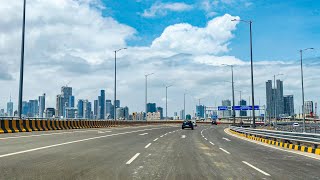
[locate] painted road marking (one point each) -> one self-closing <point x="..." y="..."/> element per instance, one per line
<point x="165" y="134"/>
<point x="211" y="142"/>
<point x="71" y="142"/>
<point x="147" y="145"/>
<point x="161" y="136"/>
<point x="256" y="168"/>
<point x="224" y="150"/>
<point x="143" y="134"/>
<point x="206" y="139"/>
<point x="155" y="139"/>
<point x="183" y="136"/>
<point x="226" y="139"/>
<point x="133" y="158"/>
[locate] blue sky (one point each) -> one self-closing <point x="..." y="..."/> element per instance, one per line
<point x="280" y="28"/>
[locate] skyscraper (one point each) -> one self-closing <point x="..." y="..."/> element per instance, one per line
<point x="275" y="100"/>
<point x="151" y="107"/>
<point x="95" y="108"/>
<point x="71" y="102"/>
<point x="87" y="109"/>
<point x="200" y="111"/>
<point x="80" y="108"/>
<point x="279" y="98"/>
<point x="160" y="110"/>
<point x="126" y="113"/>
<point x="269" y="99"/>
<point x="10" y="108"/>
<point x="25" y="108"/>
<point x="117" y="103"/>
<point x="182" y="116"/>
<point x="109" y="109"/>
<point x="308" y="108"/>
<point x="288" y="105"/>
<point x="243" y="103"/>
<point x="102" y="100"/>
<point x="66" y="92"/>
<point x="33" y="108"/>
<point x="59" y="106"/>
<point x="42" y="105"/>
<point x="50" y="112"/>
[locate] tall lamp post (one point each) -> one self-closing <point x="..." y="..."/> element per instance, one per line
<point x="22" y="60"/>
<point x="251" y="61"/>
<point x="115" y="82"/>
<point x="184" y="106"/>
<point x="167" y="86"/>
<point x="233" y="110"/>
<point x="275" y="95"/>
<point x="302" y="88"/>
<point x="146" y="95"/>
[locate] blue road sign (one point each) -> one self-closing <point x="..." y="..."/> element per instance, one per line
<point x="222" y="108"/>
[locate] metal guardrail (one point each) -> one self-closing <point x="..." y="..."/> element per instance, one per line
<point x="288" y="136"/>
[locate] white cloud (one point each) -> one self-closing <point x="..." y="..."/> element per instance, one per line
<point x="185" y="38"/>
<point x="161" y="9"/>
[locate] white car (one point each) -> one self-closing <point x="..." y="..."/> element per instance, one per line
<point x="295" y="124"/>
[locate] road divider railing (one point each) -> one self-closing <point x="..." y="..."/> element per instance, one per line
<point x="305" y="142"/>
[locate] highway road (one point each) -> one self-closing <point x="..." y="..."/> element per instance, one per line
<point x="146" y="152"/>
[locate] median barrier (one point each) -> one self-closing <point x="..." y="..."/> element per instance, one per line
<point x="1" y="128"/>
<point x="32" y="125"/>
<point x="26" y="125"/>
<point x="13" y="126"/>
<point x="39" y="125"/>
<point x="43" y="125"/>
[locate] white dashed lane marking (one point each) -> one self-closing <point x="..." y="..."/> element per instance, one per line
<point x="252" y="166"/>
<point x="147" y="145"/>
<point x="133" y="158"/>
<point x="224" y="150"/>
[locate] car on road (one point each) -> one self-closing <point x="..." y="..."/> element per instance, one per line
<point x="214" y="122"/>
<point x="295" y="125"/>
<point x="187" y="124"/>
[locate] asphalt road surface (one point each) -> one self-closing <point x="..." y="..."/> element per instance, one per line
<point x="147" y="152"/>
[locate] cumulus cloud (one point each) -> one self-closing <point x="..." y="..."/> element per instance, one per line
<point x="185" y="38"/>
<point x="161" y="9"/>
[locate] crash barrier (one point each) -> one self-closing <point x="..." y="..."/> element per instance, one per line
<point x="28" y="125"/>
<point x="305" y="142"/>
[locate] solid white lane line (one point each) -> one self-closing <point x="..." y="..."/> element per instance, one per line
<point x="133" y="158"/>
<point x="143" y="134"/>
<point x="71" y="142"/>
<point x="147" y="145"/>
<point x="183" y="136"/>
<point x="226" y="139"/>
<point x="211" y="142"/>
<point x="252" y="166"/>
<point x="224" y="150"/>
<point x="155" y="139"/>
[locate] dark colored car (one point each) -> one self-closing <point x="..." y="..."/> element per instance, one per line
<point x="214" y="122"/>
<point x="187" y="124"/>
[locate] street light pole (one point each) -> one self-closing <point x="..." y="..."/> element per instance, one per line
<point x="146" y="94"/>
<point x="233" y="110"/>
<point x="184" y="105"/>
<point x="167" y="101"/>
<point x="22" y="60"/>
<point x="251" y="62"/>
<point x="115" y="82"/>
<point x="302" y="88"/>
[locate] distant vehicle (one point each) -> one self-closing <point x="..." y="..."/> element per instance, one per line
<point x="295" y="125"/>
<point x="214" y="122"/>
<point x="187" y="124"/>
<point x="194" y="122"/>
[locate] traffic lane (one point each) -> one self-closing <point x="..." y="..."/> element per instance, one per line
<point x="186" y="155"/>
<point x="280" y="164"/>
<point x="21" y="144"/>
<point x="102" y="158"/>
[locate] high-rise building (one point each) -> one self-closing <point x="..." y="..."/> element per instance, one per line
<point x="200" y="111"/>
<point x="66" y="92"/>
<point x="71" y="102"/>
<point x="2" y="112"/>
<point x="42" y="105"/>
<point x="102" y="100"/>
<point x="59" y="106"/>
<point x="126" y="113"/>
<point x="10" y="108"/>
<point x="80" y="108"/>
<point x="226" y="113"/>
<point x="33" y="108"/>
<point x="120" y="113"/>
<point x="71" y="112"/>
<point x="50" y="112"/>
<point x="151" y="107"/>
<point x="308" y="108"/>
<point x="117" y="103"/>
<point x="95" y="109"/>
<point x="243" y="103"/>
<point x="109" y="110"/>
<point x="288" y="105"/>
<point x="182" y="114"/>
<point x="160" y="110"/>
<point x="25" y="108"/>
<point x="87" y="109"/>
<point x="275" y="100"/>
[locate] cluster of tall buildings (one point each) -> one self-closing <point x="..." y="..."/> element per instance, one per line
<point x="154" y="112"/>
<point x="278" y="105"/>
